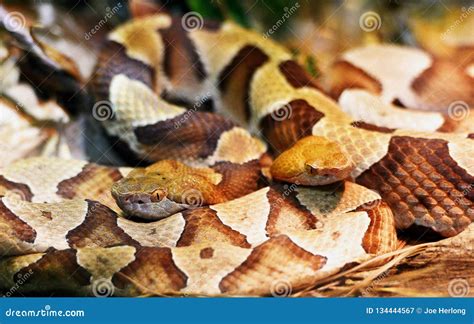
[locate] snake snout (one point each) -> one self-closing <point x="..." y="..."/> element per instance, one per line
<point x="144" y="197"/>
<point x="148" y="203"/>
<point x="138" y="198"/>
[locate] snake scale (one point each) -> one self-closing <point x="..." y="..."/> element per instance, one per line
<point x="215" y="216"/>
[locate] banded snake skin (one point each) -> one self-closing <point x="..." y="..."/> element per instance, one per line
<point x="215" y="216"/>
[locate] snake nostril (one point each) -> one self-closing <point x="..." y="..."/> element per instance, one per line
<point x="134" y="199"/>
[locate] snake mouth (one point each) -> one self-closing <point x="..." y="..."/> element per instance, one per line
<point x="326" y="175"/>
<point x="311" y="179"/>
<point x="311" y="176"/>
<point x="140" y="198"/>
<point x="147" y="206"/>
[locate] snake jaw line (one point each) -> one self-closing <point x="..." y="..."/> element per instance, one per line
<point x="151" y="210"/>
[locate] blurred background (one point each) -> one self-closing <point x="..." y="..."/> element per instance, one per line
<point x="316" y="30"/>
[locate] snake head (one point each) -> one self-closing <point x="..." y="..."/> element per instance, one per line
<point x="312" y="161"/>
<point x="145" y="193"/>
<point x="163" y="189"/>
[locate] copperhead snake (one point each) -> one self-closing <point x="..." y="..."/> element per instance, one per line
<point x="221" y="218"/>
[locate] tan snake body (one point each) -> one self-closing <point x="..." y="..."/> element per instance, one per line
<point x="246" y="243"/>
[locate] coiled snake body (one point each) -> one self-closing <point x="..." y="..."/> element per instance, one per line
<point x="215" y="225"/>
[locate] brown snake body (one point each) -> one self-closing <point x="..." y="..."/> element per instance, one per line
<point x="215" y="225"/>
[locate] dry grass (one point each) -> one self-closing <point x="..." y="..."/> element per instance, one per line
<point x="425" y="270"/>
<point x="356" y="280"/>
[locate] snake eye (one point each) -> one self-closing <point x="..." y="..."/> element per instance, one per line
<point x="158" y="195"/>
